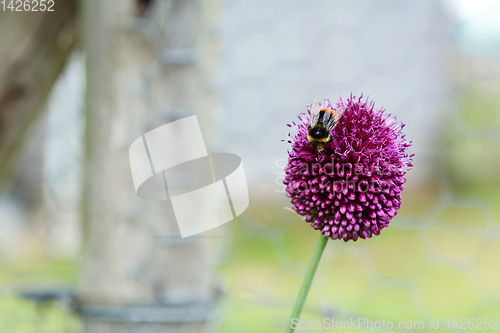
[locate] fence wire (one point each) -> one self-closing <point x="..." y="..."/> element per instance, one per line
<point x="440" y="256"/>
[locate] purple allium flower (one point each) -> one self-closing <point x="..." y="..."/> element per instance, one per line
<point x="353" y="187"/>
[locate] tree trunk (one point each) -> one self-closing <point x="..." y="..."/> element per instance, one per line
<point x="34" y="49"/>
<point x="136" y="270"/>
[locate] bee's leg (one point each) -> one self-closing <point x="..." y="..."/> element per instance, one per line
<point x="329" y="139"/>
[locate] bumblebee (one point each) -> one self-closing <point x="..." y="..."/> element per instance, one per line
<point x="322" y="122"/>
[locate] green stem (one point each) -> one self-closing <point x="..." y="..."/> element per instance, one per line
<point x="306" y="284"/>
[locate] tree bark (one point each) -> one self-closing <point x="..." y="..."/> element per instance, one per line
<point x="34" y="49"/>
<point x="131" y="275"/>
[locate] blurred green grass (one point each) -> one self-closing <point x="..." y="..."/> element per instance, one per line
<point x="32" y="273"/>
<point x="399" y="275"/>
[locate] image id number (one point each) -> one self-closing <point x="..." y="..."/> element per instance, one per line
<point x="27" y="5"/>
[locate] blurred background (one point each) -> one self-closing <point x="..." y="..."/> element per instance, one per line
<point x="80" y="252"/>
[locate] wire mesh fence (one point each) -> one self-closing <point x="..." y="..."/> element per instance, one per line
<point x="440" y="256"/>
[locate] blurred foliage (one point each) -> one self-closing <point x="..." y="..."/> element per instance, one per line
<point x="480" y="107"/>
<point x="473" y="152"/>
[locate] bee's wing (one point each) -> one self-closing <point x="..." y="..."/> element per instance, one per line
<point x="315" y="108"/>
<point x="336" y="115"/>
<point x="339" y="112"/>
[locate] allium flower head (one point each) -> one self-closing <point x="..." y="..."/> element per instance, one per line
<point x="353" y="187"/>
